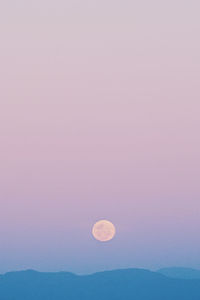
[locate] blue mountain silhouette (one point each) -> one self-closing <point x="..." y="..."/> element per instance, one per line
<point x="177" y="272"/>
<point x="129" y="284"/>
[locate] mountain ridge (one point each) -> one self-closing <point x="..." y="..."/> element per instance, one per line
<point x="129" y="284"/>
<point x="180" y="272"/>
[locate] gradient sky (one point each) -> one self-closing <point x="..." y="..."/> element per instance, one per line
<point x="99" y="118"/>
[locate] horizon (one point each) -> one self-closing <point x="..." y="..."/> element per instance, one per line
<point x="143" y="284"/>
<point x="103" y="271"/>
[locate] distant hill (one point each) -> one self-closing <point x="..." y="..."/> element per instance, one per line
<point x="184" y="273"/>
<point x="130" y="284"/>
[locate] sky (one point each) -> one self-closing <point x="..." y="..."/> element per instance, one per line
<point x="99" y="119"/>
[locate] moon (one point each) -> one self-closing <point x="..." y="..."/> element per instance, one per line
<point x="103" y="231"/>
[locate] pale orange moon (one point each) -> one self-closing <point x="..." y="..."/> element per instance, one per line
<point x="103" y="231"/>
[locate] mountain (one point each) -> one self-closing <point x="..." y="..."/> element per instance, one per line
<point x="130" y="284"/>
<point x="184" y="273"/>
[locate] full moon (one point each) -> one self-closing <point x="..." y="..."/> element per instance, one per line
<point x="103" y="231"/>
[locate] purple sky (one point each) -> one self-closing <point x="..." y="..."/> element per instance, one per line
<point x="99" y="118"/>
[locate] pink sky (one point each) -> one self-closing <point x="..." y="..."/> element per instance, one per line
<point x="99" y="118"/>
